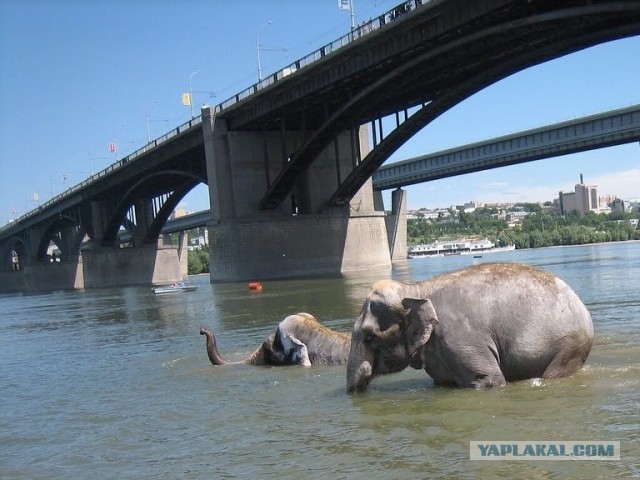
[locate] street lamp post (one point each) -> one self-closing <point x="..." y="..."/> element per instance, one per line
<point x="146" y="116"/>
<point x="148" y="119"/>
<point x="190" y="91"/>
<point x="353" y="17"/>
<point x="258" y="49"/>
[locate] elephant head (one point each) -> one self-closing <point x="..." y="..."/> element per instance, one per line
<point x="388" y="335"/>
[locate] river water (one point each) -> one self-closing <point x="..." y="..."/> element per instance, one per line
<point x="116" y="384"/>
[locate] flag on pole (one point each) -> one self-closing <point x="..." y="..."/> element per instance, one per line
<point x="113" y="147"/>
<point x="186" y="99"/>
<point x="344" y="4"/>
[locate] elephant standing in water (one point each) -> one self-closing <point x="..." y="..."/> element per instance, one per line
<point x="299" y="339"/>
<point x="478" y="327"/>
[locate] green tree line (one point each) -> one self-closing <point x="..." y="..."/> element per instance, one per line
<point x="538" y="229"/>
<point x="198" y="261"/>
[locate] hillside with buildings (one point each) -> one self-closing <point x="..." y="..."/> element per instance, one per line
<point x="577" y="217"/>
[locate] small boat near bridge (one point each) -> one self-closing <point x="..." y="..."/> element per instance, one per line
<point x="175" y="288"/>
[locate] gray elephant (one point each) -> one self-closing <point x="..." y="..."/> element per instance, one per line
<point x="478" y="327"/>
<point x="299" y="339"/>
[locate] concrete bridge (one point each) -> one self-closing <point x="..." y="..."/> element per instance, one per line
<point x="601" y="130"/>
<point x="289" y="161"/>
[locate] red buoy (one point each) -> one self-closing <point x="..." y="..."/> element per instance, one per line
<point x="255" y="286"/>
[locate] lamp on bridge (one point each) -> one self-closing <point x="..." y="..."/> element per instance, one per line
<point x="258" y="49"/>
<point x="149" y="120"/>
<point x="189" y="100"/>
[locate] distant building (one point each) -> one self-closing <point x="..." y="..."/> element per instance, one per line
<point x="472" y="206"/>
<point x="607" y="199"/>
<point x="178" y="212"/>
<point x="428" y="214"/>
<point x="198" y="243"/>
<point x="618" y="206"/>
<point x="515" y="218"/>
<point x="583" y="199"/>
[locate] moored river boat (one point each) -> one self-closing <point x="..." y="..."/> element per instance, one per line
<point x="456" y="247"/>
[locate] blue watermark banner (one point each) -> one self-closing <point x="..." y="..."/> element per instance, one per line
<point x="544" y="450"/>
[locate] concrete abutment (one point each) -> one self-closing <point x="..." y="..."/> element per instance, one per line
<point x="98" y="268"/>
<point x="297" y="246"/>
<point x="117" y="267"/>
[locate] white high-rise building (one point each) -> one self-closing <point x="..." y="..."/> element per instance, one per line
<point x="583" y="199"/>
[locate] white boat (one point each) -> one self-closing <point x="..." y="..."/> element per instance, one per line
<point x="175" y="288"/>
<point x="457" y="247"/>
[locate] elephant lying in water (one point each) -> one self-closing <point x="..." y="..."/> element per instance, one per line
<point x="478" y="327"/>
<point x="299" y="339"/>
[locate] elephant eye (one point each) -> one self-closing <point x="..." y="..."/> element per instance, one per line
<point x="369" y="337"/>
<point x="375" y="308"/>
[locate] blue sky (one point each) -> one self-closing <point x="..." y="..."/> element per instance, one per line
<point x="77" y="75"/>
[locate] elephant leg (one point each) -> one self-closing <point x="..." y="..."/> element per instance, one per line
<point x="571" y="357"/>
<point x="475" y="367"/>
<point x="486" y="381"/>
<point x="486" y="369"/>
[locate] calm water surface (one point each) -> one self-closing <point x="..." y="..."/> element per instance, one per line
<point x="116" y="384"/>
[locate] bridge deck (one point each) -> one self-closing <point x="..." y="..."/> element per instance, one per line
<point x="597" y="131"/>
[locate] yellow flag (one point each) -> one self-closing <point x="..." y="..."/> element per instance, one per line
<point x="186" y="99"/>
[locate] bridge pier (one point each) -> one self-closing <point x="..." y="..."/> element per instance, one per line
<point x="98" y="268"/>
<point x="117" y="267"/>
<point x="304" y="245"/>
<point x="183" y="254"/>
<point x="397" y="225"/>
<point x="304" y="236"/>
<point x="67" y="274"/>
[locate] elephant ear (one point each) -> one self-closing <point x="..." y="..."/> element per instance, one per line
<point x="420" y="318"/>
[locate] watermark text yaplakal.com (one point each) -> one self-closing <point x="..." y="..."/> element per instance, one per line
<point x="544" y="450"/>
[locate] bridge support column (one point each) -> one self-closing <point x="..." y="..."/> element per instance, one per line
<point x="297" y="246"/>
<point x="117" y="267"/>
<point x="304" y="236"/>
<point x="97" y="222"/>
<point x="67" y="274"/>
<point x="397" y="225"/>
<point x="144" y="217"/>
<point x="183" y="254"/>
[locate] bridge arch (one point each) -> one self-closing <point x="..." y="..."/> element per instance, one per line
<point x="521" y="43"/>
<point x="14" y="255"/>
<point x="160" y="185"/>
<point x="66" y="233"/>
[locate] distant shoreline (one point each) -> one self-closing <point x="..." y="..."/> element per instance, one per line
<point x="582" y="244"/>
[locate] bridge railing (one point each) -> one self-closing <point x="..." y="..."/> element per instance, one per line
<point x="114" y="166"/>
<point x="357" y="33"/>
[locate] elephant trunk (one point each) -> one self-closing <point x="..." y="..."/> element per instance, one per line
<point x="212" y="347"/>
<point x="359" y="368"/>
<point x="358" y="377"/>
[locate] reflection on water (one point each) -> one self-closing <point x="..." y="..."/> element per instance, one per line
<point x="117" y="383"/>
